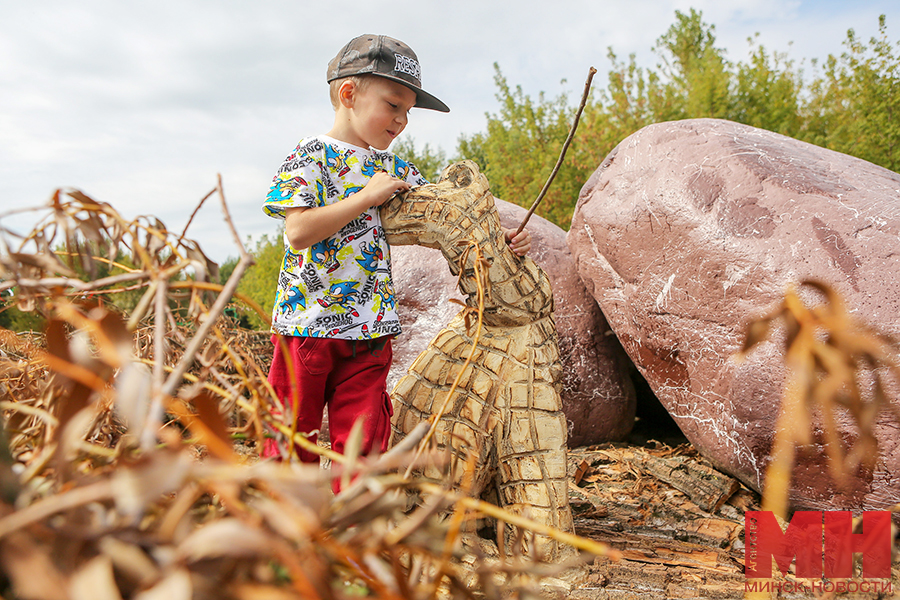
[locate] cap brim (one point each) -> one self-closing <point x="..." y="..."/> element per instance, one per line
<point x="423" y="98"/>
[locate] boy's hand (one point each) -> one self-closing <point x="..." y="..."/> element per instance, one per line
<point x="382" y="187"/>
<point x="519" y="244"/>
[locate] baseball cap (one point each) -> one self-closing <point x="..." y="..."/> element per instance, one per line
<point x="386" y="57"/>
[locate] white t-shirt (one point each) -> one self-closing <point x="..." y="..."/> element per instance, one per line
<point x="340" y="287"/>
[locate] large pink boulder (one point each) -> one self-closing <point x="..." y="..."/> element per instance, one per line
<point x="690" y="229"/>
<point x="597" y="394"/>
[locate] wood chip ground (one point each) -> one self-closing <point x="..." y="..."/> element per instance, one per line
<point x="678" y="522"/>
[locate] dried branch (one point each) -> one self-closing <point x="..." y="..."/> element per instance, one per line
<point x="161" y="471"/>
<point x="217" y="308"/>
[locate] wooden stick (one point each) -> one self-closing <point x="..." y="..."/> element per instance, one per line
<point x="584" y="96"/>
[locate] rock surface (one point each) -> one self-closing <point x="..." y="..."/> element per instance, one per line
<point x="597" y="393"/>
<point x="689" y="230"/>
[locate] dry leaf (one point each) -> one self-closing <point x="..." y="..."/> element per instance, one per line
<point x="132" y="398"/>
<point x="176" y="586"/>
<point x="136" y="487"/>
<point x="835" y="363"/>
<point x="225" y="537"/>
<point x="130" y="561"/>
<point x="43" y="262"/>
<point x="158" y="516"/>
<point x="30" y="569"/>
<point x="94" y="581"/>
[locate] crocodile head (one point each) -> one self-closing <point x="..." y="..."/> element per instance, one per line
<point x="456" y="215"/>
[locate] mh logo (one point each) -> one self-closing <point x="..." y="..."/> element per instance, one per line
<point x="822" y="542"/>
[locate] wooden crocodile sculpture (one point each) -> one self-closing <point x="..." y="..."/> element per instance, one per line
<point x="506" y="410"/>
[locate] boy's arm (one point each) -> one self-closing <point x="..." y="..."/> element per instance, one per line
<point x="305" y="226"/>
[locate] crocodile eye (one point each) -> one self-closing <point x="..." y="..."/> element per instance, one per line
<point x="461" y="176"/>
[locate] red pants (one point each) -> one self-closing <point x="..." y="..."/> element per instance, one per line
<point x="347" y="376"/>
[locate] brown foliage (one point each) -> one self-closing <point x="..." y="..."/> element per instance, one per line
<point x="132" y="470"/>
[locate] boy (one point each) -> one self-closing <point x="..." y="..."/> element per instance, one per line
<point x="334" y="305"/>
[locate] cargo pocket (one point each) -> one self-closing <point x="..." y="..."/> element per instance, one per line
<point x="313" y="355"/>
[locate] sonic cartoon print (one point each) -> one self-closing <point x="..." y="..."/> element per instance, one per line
<point x="286" y="189"/>
<point x="325" y="253"/>
<point x="350" y="190"/>
<point x="401" y="169"/>
<point x="372" y="257"/>
<point x="341" y="294"/>
<point x="364" y="330"/>
<point x="336" y="161"/>
<point x="310" y="332"/>
<point x="385" y="291"/>
<point x="370" y="167"/>
<point x="292" y="298"/>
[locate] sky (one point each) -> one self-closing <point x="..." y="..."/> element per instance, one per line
<point x="143" y="104"/>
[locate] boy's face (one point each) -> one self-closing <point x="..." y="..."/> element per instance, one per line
<point x="378" y="112"/>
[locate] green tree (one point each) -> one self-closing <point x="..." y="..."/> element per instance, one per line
<point x="14" y="319"/>
<point x="522" y="142"/>
<point x="520" y="148"/>
<point x="261" y="279"/>
<point x="633" y="98"/>
<point x="632" y="95"/>
<point x="697" y="74"/>
<point x="852" y="107"/>
<point x="429" y="162"/>
<point x="854" y="104"/>
<point x="227" y="268"/>
<point x="767" y="92"/>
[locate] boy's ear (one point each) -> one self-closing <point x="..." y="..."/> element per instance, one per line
<point x="347" y="93"/>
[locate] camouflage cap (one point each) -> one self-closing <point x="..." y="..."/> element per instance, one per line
<point x="386" y="57"/>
